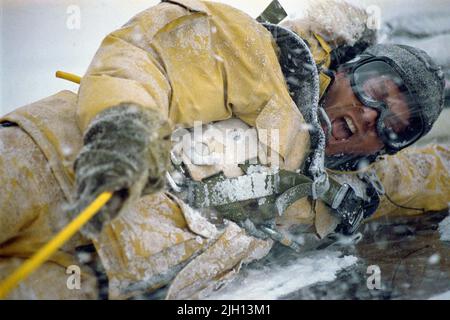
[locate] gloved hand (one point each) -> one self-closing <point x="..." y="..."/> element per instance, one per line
<point x="126" y="151"/>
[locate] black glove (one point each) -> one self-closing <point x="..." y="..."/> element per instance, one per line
<point x="126" y="152"/>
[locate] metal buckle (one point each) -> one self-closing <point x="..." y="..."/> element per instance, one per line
<point x="355" y="222"/>
<point x="340" y="195"/>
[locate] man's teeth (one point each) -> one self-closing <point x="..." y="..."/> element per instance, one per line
<point x="350" y="124"/>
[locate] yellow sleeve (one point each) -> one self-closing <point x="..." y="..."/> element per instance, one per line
<point x="127" y="69"/>
<point x="320" y="49"/>
<point x="416" y="177"/>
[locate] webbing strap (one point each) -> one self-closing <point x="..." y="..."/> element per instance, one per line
<point x="227" y="191"/>
<point x="288" y="186"/>
<point x="292" y="195"/>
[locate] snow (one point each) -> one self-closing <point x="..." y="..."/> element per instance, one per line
<point x="444" y="229"/>
<point x="434" y="259"/>
<point x="442" y="296"/>
<point x="337" y="21"/>
<point x="276" y="282"/>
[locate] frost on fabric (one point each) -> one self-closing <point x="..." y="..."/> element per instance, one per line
<point x="397" y="171"/>
<point x="336" y="20"/>
<point x="239" y="188"/>
<point x="192" y="36"/>
<point x="218" y="263"/>
<point x="295" y="63"/>
<point x="197" y="223"/>
<point x="145" y="248"/>
<point x="274" y="283"/>
<point x="444" y="229"/>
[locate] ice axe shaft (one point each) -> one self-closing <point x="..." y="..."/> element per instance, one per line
<point x="68" y="76"/>
<point x="53" y="245"/>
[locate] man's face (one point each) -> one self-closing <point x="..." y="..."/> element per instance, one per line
<point x="354" y="126"/>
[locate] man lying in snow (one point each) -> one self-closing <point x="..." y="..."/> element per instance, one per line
<point x="187" y="61"/>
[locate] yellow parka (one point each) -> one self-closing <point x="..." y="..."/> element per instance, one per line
<point x="192" y="61"/>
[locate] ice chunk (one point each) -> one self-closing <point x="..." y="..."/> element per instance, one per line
<point x="276" y="282"/>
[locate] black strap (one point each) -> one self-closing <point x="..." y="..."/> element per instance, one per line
<point x="274" y="13"/>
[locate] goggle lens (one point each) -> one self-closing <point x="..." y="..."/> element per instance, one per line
<point x="370" y="83"/>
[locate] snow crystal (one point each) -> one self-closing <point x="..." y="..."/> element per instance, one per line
<point x="218" y="58"/>
<point x="434" y="259"/>
<point x="444" y="229"/>
<point x="306" y="127"/>
<point x="274" y="283"/>
<point x="84" y="257"/>
<point x="67" y="151"/>
<point x="137" y="34"/>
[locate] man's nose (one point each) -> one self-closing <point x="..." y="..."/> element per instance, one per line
<point x="370" y="116"/>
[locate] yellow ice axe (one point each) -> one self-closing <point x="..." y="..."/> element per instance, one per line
<point x="68" y="76"/>
<point x="51" y="247"/>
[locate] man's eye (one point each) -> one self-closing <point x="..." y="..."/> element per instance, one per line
<point x="379" y="89"/>
<point x="376" y="90"/>
<point x="395" y="123"/>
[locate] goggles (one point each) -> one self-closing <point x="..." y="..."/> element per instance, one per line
<point x="369" y="77"/>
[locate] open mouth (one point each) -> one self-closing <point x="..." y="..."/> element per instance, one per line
<point x="343" y="128"/>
